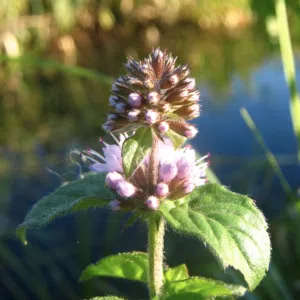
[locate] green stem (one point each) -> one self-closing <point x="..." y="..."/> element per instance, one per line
<point x="288" y="65"/>
<point x="156" y="230"/>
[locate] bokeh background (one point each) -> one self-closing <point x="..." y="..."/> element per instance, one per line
<point x="57" y="63"/>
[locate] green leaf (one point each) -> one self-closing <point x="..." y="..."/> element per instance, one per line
<point x="135" y="149"/>
<point x="177" y="139"/>
<point x="75" y="196"/>
<point x="230" y="224"/>
<point x="132" y="266"/>
<point x="177" y="273"/>
<point x="199" y="288"/>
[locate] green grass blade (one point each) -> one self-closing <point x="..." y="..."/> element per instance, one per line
<point x="289" y="66"/>
<point x="269" y="155"/>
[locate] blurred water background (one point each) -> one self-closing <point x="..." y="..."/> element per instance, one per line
<point x="57" y="62"/>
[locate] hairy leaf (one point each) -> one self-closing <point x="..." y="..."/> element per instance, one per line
<point x="230" y="224"/>
<point x="132" y="266"/>
<point x="75" y="196"/>
<point x="177" y="273"/>
<point x="135" y="149"/>
<point x="199" y="288"/>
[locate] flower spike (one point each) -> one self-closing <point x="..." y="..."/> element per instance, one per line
<point x="154" y="90"/>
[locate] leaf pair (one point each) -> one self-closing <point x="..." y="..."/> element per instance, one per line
<point x="229" y="223"/>
<point x="178" y="284"/>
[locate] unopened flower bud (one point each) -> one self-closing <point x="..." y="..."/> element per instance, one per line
<point x="113" y="100"/>
<point x="112" y="178"/>
<point x="170" y="82"/>
<point x="157" y="62"/>
<point x="135" y="100"/>
<point x="133" y="115"/>
<point x="193" y="111"/>
<point x="194" y="97"/>
<point x="152" y="202"/>
<point x="115" y="88"/>
<point x="194" y="108"/>
<point x="162" y="190"/>
<point x="125" y="188"/>
<point x="173" y="79"/>
<point x="163" y="127"/>
<point x="151" y="116"/>
<point x="167" y="172"/>
<point x="153" y="98"/>
<point x="108" y="126"/>
<point x="114" y="205"/>
<point x="157" y="54"/>
<point x="166" y="107"/>
<point x="112" y="116"/>
<point x="190" y="132"/>
<point x="184" y="93"/>
<point x="188" y="187"/>
<point x="120" y="107"/>
<point x="191" y="83"/>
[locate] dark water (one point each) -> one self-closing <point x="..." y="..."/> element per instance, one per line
<point x="69" y="109"/>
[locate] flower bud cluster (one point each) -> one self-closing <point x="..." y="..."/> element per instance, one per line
<point x="179" y="172"/>
<point x="154" y="93"/>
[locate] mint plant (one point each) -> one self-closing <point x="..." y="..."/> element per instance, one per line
<point x="150" y="173"/>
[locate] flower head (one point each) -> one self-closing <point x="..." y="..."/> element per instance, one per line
<point x="178" y="169"/>
<point x="154" y="92"/>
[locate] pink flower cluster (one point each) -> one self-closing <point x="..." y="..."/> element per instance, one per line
<point x="178" y="174"/>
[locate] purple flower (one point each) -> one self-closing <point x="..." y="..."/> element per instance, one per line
<point x="167" y="172"/>
<point x="111" y="159"/>
<point x="179" y="174"/>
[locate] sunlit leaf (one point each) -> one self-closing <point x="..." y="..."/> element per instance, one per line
<point x="229" y="224"/>
<point x="199" y="288"/>
<point x="75" y="196"/>
<point x="177" y="273"/>
<point x="132" y="266"/>
<point x="135" y="149"/>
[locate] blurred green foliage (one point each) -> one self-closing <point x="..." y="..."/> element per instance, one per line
<point x="57" y="60"/>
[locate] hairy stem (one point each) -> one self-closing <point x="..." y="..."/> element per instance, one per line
<point x="153" y="164"/>
<point x="156" y="230"/>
